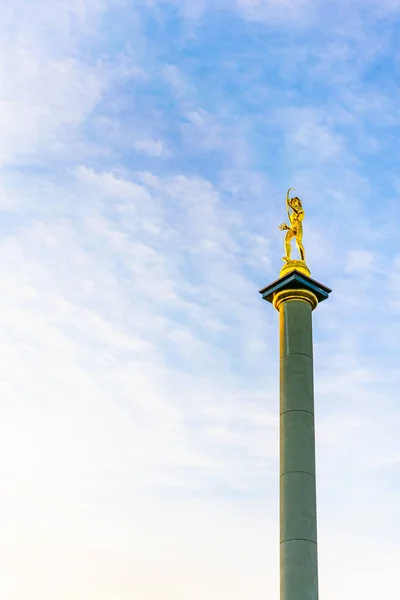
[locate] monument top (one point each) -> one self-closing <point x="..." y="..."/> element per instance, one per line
<point x="295" y="282"/>
<point x="295" y="212"/>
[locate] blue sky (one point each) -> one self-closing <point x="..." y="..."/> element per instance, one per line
<point x="145" y="152"/>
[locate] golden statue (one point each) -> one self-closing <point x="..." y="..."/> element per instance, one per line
<point x="295" y="230"/>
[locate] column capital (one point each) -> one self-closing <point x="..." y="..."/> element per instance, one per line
<point x="295" y="286"/>
<point x="287" y="295"/>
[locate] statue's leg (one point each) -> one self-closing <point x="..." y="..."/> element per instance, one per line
<point x="288" y="247"/>
<point x="300" y="247"/>
<point x="302" y="252"/>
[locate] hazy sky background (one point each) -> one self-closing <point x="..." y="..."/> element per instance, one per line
<point x="145" y="151"/>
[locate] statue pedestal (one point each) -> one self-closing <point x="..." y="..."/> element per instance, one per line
<point x="295" y="295"/>
<point x="295" y="265"/>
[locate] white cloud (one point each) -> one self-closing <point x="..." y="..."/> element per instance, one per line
<point x="310" y="134"/>
<point x="150" y="147"/>
<point x="289" y="11"/>
<point x="98" y="427"/>
<point x="41" y="101"/>
<point x="45" y="92"/>
<point x="359" y="261"/>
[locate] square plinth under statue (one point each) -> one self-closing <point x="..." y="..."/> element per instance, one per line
<point x="295" y="280"/>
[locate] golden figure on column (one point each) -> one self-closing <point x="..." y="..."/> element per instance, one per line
<point x="295" y="213"/>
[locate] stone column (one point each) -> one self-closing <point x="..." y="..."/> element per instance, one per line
<point x="295" y="296"/>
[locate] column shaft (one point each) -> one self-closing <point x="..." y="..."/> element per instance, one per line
<point x="298" y="518"/>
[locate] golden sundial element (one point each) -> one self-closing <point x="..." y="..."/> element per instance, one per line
<point x="295" y="213"/>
